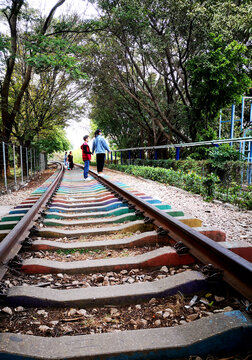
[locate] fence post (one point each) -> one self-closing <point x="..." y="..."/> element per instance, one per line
<point x="115" y="157"/>
<point x="34" y="159"/>
<point x="111" y="157"/>
<point x="14" y="165"/>
<point x="155" y="155"/>
<point x="232" y="123"/>
<point x="177" y="152"/>
<point x="27" y="163"/>
<point x="42" y="161"/>
<point x="129" y="153"/>
<point x="220" y="124"/>
<point x="140" y="154"/>
<point x="21" y="164"/>
<point x="31" y="160"/>
<point x="249" y="172"/>
<point x="121" y="158"/>
<point x="4" y="162"/>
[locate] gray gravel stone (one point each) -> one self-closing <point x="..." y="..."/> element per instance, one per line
<point x="220" y="217"/>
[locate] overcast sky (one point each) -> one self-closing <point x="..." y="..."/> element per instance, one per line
<point x="83" y="7"/>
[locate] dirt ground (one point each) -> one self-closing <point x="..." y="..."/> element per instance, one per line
<point x="16" y="197"/>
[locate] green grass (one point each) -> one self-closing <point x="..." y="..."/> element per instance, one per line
<point x="81" y="251"/>
<point x="77" y="156"/>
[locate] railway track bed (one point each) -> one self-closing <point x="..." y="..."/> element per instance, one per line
<point x="155" y="313"/>
<point x="100" y="277"/>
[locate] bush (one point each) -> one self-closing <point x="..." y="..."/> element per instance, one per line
<point x="191" y="181"/>
<point x="223" y="153"/>
<point x="208" y="186"/>
<point x="223" y="166"/>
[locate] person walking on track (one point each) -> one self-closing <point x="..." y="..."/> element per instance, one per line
<point x="70" y="161"/>
<point x="86" y="157"/>
<point x="65" y="160"/>
<point x="99" y="147"/>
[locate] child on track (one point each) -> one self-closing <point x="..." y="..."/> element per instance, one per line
<point x="86" y="157"/>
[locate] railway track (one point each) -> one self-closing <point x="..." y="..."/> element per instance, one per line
<point x="106" y="272"/>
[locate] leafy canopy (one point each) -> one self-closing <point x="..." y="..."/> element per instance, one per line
<point x="218" y="76"/>
<point x="53" y="141"/>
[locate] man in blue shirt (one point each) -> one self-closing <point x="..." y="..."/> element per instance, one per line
<point x="99" y="147"/>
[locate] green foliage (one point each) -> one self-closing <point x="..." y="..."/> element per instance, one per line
<point x="77" y="155"/>
<point x="227" y="170"/>
<point x="42" y="65"/>
<point x="4" y="44"/>
<point x="154" y="72"/>
<point x="206" y="134"/>
<point x="218" y="76"/>
<point x="53" y="141"/>
<point x="219" y="155"/>
<point x="201" y="152"/>
<point x="225" y="162"/>
<point x="233" y="193"/>
<point x="209" y="186"/>
<point x="196" y="73"/>
<point x="118" y="115"/>
<point x="189" y="181"/>
<point x="54" y="52"/>
<point x="49" y="103"/>
<point x="184" y="165"/>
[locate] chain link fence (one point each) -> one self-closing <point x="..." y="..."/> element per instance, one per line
<point x="18" y="164"/>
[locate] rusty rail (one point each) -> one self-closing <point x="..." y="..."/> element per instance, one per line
<point x="11" y="244"/>
<point x="237" y="271"/>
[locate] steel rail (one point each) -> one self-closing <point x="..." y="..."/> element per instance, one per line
<point x="11" y="244"/>
<point x="237" y="271"/>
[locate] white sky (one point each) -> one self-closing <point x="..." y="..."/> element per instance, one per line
<point x="76" y="130"/>
<point x="83" y="7"/>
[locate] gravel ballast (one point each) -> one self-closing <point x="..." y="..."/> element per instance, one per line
<point x="237" y="224"/>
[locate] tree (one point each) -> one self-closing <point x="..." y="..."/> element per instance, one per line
<point x="52" y="141"/>
<point x="151" y="46"/>
<point x="51" y="100"/>
<point x="9" y="111"/>
<point x="32" y="53"/>
<point x="114" y="110"/>
<point x="218" y="77"/>
<point x="120" y="118"/>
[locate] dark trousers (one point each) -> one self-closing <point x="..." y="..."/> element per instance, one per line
<point x="100" y="158"/>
